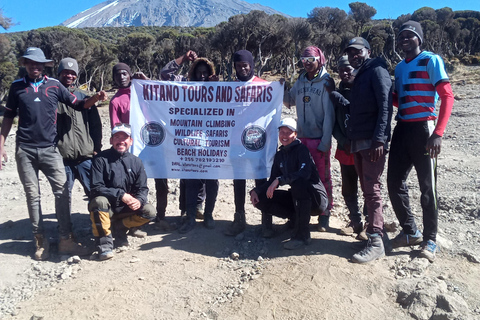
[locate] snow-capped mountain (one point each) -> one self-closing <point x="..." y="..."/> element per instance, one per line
<point x="183" y="13"/>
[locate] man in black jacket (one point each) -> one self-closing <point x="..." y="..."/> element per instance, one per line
<point x="118" y="193"/>
<point x="293" y="165"/>
<point x="369" y="130"/>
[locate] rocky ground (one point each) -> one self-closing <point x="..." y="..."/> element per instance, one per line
<point x="206" y="275"/>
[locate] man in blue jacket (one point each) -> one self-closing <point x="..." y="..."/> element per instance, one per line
<point x="369" y="131"/>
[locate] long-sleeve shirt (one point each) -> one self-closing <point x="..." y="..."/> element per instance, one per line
<point x="36" y="106"/>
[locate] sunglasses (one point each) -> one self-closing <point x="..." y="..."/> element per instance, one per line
<point x="309" y="59"/>
<point x="119" y="124"/>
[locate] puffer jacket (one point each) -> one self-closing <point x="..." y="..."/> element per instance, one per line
<point x="371" y="103"/>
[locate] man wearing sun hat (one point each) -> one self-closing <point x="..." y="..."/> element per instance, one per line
<point x="119" y="193"/>
<point x="369" y="131"/>
<point x="292" y="165"/>
<point x="34" y="99"/>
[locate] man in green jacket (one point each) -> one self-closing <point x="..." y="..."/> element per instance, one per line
<point x="79" y="132"/>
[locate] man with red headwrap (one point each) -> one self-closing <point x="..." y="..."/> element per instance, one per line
<point x="316" y="117"/>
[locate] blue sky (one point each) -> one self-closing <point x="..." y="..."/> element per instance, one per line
<point x="53" y="12"/>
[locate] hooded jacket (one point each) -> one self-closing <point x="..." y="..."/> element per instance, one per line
<point x="371" y="103"/>
<point x="315" y="111"/>
<point x="79" y="132"/>
<point x="114" y="174"/>
<point x="294" y="162"/>
<point x="168" y="73"/>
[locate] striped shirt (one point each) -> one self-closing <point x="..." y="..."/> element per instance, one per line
<point x="415" y="83"/>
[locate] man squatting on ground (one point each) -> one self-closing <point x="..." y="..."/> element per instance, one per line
<point x="245" y="71"/>
<point x="79" y="132"/>
<point x="419" y="80"/>
<point x="119" y="110"/>
<point x="316" y="117"/>
<point x="119" y="193"/>
<point x="35" y="98"/>
<point x="369" y="131"/>
<point x="348" y="172"/>
<point x="292" y="165"/>
<point x="194" y="191"/>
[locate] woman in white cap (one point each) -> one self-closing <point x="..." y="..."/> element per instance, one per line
<point x="293" y="166"/>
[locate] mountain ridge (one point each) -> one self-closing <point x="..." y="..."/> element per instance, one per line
<point x="182" y="13"/>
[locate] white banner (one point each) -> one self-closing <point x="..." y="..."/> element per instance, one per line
<point x="205" y="130"/>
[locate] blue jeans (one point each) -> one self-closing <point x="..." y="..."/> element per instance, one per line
<point x="81" y="172"/>
<point x="48" y="160"/>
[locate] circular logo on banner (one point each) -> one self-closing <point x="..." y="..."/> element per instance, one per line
<point x="254" y="138"/>
<point x="152" y="134"/>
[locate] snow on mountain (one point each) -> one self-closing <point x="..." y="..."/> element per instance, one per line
<point x="184" y="13"/>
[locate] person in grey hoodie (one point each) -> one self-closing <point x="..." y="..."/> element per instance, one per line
<point x="316" y="118"/>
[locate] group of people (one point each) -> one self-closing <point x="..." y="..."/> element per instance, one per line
<point x="59" y="133"/>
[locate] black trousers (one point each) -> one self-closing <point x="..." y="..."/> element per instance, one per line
<point x="350" y="192"/>
<point x="408" y="150"/>
<point x="161" y="189"/>
<point x="295" y="204"/>
<point x="239" y="192"/>
<point x="195" y="187"/>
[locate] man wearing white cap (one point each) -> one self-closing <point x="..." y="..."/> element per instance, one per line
<point x="34" y="99"/>
<point x="293" y="165"/>
<point x="119" y="193"/>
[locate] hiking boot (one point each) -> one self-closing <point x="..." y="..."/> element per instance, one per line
<point x="208" y="221"/>
<point x="137" y="233"/>
<point x="199" y="214"/>
<point x="163" y="225"/>
<point x="428" y="251"/>
<point x="105" y="255"/>
<point x="294" y="244"/>
<point x="352" y="228"/>
<point x="267" y="232"/>
<point x="373" y="251"/>
<point x="119" y="232"/>
<point x="406" y="240"/>
<point x="323" y="223"/>
<point x="187" y="226"/>
<point x="69" y="246"/>
<point x="238" y="225"/>
<point x="42" y="247"/>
